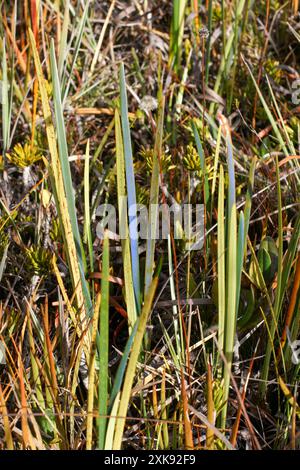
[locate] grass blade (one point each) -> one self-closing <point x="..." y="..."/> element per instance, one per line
<point x="131" y="192"/>
<point x="103" y="346"/>
<point x="67" y="80"/>
<point x="221" y="263"/>
<point x="121" y="369"/>
<point x="203" y="165"/>
<point x="240" y="258"/>
<point x="268" y="113"/>
<point x="130" y="372"/>
<point x="231" y="270"/>
<point x="63" y="46"/>
<point x="154" y="193"/>
<point x="274" y="324"/>
<point x="6" y="113"/>
<point x="123" y="221"/>
<point x="177" y="30"/>
<point x="59" y="191"/>
<point x="66" y="174"/>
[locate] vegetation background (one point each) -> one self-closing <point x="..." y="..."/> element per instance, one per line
<point x="109" y="343"/>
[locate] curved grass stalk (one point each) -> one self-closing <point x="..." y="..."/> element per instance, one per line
<point x="131" y="192"/>
<point x="130" y="372"/>
<point x="109" y="439"/>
